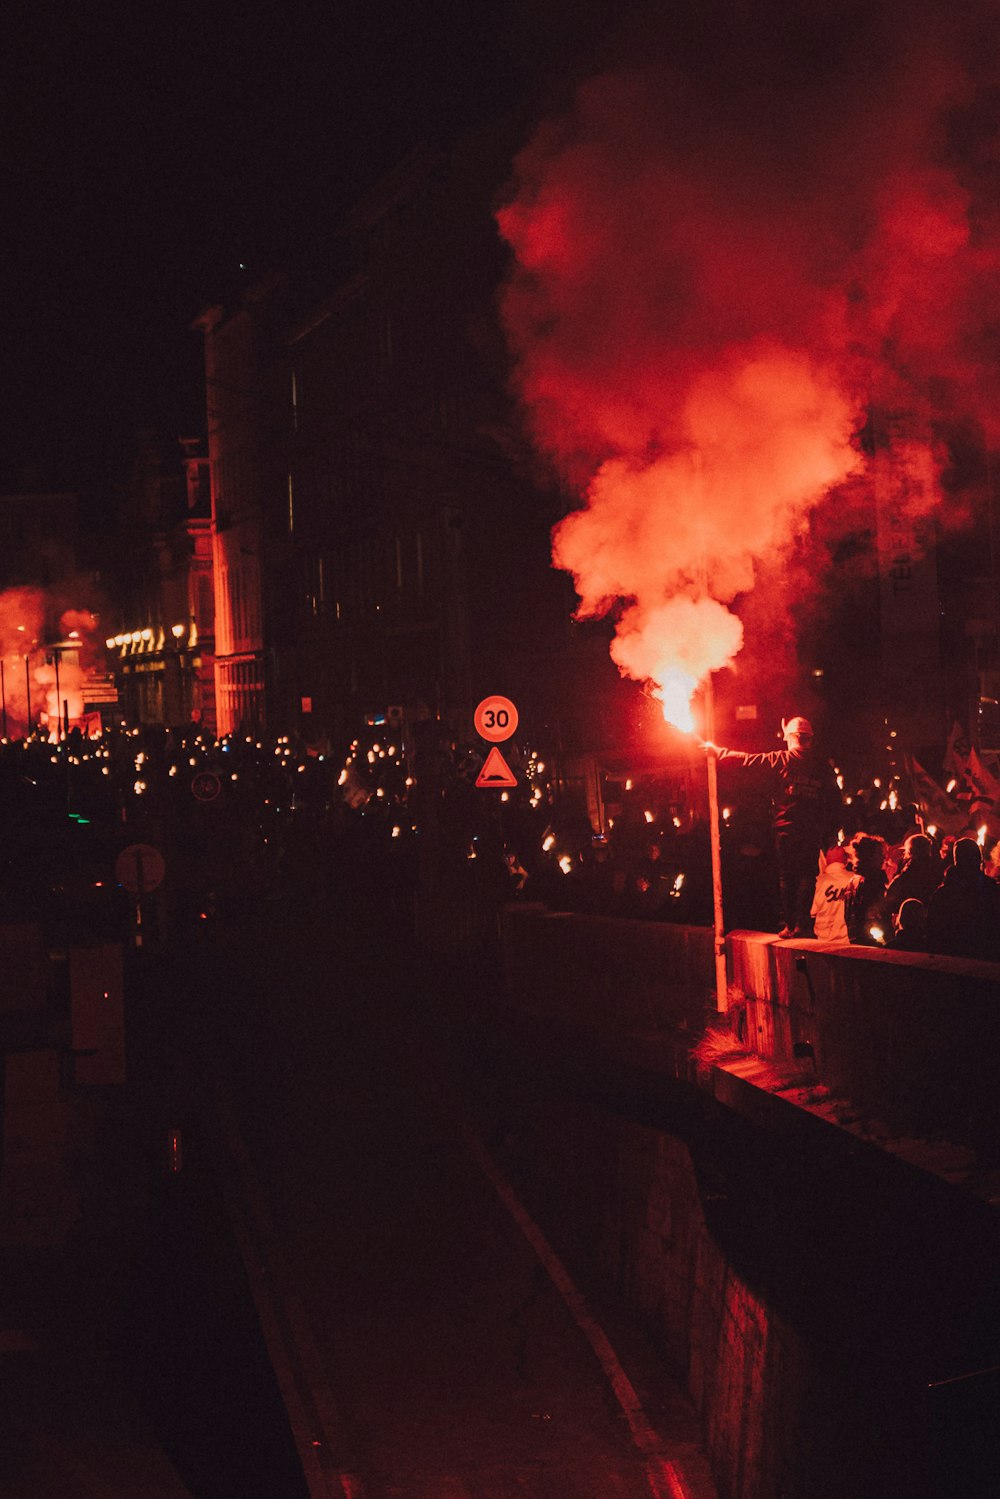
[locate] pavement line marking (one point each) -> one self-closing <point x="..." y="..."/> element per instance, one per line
<point x="291" y="1347"/>
<point x="662" y="1475"/>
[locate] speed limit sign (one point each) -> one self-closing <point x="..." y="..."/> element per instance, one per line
<point x="495" y="719"/>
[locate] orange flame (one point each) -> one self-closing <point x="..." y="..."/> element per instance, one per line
<point x="674" y="695"/>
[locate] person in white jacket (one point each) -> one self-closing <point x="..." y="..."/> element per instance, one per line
<point x="833" y="885"/>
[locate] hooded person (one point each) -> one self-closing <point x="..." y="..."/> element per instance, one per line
<point x="919" y="874"/>
<point x="805" y="813"/>
<point x="963" y="916"/>
<point x="833" y="885"/>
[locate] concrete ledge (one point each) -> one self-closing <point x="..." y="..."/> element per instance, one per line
<point x="911" y="1037"/>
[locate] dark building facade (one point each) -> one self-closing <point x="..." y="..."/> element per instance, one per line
<point x="381" y="542"/>
<point x="161" y="632"/>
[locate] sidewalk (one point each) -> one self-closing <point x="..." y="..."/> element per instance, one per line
<point x="71" y="1189"/>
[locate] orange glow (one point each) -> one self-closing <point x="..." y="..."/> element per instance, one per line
<point x="674" y="695"/>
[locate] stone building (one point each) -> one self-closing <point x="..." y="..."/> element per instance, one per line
<point x="381" y="540"/>
<point x="161" y="635"/>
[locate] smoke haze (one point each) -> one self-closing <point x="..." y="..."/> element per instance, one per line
<point x="727" y="255"/>
<point x="29" y="676"/>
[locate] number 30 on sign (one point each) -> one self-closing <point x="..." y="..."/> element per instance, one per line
<point x="495" y="719"/>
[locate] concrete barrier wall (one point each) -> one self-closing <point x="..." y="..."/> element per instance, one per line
<point x="912" y="1039"/>
<point x="757" y="1292"/>
<point x="598" y="970"/>
<point x="821" y="1298"/>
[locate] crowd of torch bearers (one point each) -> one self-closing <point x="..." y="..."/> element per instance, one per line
<point x="547" y="856"/>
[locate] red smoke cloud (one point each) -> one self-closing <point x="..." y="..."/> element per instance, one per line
<point x="719" y="273"/>
<point x="28" y="667"/>
<point x="22" y="625"/>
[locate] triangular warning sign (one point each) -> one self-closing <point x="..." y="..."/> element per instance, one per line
<point x="496" y="771"/>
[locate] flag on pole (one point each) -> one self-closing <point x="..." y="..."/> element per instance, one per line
<point x="983" y="792"/>
<point x="938" y="808"/>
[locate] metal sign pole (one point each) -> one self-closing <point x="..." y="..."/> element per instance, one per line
<point x="714" y="831"/>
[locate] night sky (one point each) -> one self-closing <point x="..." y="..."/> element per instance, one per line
<point x="158" y="156"/>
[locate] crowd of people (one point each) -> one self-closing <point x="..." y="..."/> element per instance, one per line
<point x="235" y="821"/>
<point x="245" y="819"/>
<point x="797" y="857"/>
<point x="921" y="897"/>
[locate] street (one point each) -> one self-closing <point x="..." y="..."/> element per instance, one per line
<point x="424" y="1334"/>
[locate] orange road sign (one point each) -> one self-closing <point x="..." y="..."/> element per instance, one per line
<point x="495" y="718"/>
<point x="496" y="771"/>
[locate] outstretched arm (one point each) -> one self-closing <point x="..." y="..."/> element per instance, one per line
<point x="771" y="759"/>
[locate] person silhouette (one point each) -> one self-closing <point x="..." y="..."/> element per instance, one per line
<point x="805" y="811"/>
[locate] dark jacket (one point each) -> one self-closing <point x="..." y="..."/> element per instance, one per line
<point x="916" y="881"/>
<point x="865" y="907"/>
<point x="963" y="918"/>
<point x="805" y="798"/>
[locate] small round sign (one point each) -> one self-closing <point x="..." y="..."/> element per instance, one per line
<point x="206" y="785"/>
<point x="495" y="719"/>
<point x="140" y="868"/>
